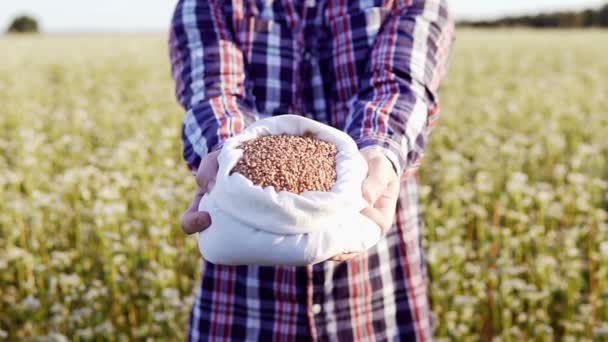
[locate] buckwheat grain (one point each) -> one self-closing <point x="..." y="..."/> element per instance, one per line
<point x="287" y="162"/>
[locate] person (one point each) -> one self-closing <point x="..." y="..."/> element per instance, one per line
<point x="369" y="67"/>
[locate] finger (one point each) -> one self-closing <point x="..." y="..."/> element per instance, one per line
<point x="383" y="211"/>
<point x="210" y="184"/>
<point x="377" y="217"/>
<point x="195" y="222"/>
<point x="372" y="188"/>
<point x="196" y="201"/>
<point x="344" y="257"/>
<point x="207" y="171"/>
<point x="379" y="176"/>
<point x="387" y="202"/>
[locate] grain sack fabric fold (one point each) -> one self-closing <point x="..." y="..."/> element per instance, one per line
<point x="252" y="225"/>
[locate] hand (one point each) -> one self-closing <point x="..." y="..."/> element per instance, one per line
<point x="194" y="221"/>
<point x="380" y="190"/>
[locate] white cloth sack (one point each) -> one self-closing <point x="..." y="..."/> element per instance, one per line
<point x="252" y="225"/>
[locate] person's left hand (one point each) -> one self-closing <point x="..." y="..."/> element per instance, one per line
<point x="380" y="190"/>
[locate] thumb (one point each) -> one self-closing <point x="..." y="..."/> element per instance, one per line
<point x="379" y="172"/>
<point x="207" y="171"/>
<point x="373" y="186"/>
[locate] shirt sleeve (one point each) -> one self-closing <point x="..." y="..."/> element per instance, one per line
<point x="208" y="68"/>
<point x="397" y="105"/>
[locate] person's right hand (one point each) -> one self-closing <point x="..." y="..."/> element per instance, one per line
<point x="194" y="221"/>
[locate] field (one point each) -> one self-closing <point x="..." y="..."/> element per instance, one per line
<point x="92" y="186"/>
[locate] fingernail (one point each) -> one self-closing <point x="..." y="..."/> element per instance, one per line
<point x="370" y="198"/>
<point x="203" y="221"/>
<point x="367" y="197"/>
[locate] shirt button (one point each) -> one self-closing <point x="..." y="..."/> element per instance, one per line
<point x="307" y="56"/>
<point x="316" y="309"/>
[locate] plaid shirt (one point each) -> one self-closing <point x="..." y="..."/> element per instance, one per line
<point x="369" y="67"/>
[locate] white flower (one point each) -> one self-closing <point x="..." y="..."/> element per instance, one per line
<point x="604" y="248"/>
<point x="85" y="333"/>
<point x="56" y="337"/>
<point x="159" y="317"/>
<point x="31" y="303"/>
<point x="559" y="171"/>
<point x="170" y="293"/>
<point x="517" y="182"/>
<point x="464" y="300"/>
<point x="576" y="178"/>
<point x="601" y="330"/>
<point x="105" y="328"/>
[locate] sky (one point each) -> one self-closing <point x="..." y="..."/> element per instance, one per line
<point x="154" y="15"/>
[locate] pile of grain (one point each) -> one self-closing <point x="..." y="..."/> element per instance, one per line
<point x="286" y="162"/>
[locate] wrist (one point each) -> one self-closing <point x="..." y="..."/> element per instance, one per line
<point x="372" y="152"/>
<point x="387" y="146"/>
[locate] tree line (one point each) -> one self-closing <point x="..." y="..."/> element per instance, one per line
<point x="564" y="19"/>
<point x="23" y="24"/>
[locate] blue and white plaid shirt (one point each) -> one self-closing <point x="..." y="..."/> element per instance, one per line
<point x="369" y="67"/>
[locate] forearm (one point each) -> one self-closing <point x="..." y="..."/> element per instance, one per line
<point x="209" y="73"/>
<point x="208" y="124"/>
<point x="397" y="104"/>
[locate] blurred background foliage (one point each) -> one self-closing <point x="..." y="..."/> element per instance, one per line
<point x="564" y="19"/>
<point x="92" y="185"/>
